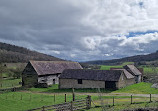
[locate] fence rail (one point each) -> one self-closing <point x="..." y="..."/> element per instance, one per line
<point x="67" y="106"/>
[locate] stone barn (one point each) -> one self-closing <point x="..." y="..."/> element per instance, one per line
<point x="45" y="72"/>
<point x="84" y="78"/>
<point x="135" y="72"/>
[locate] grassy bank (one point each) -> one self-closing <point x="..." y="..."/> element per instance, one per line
<point x="140" y="88"/>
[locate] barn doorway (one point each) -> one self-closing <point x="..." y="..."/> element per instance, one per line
<point x="110" y="85"/>
<point x="53" y="81"/>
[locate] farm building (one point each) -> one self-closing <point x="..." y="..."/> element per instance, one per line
<point x="45" y="72"/>
<point x="135" y="72"/>
<point x="84" y="78"/>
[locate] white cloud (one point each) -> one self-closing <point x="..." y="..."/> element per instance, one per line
<point x="81" y="30"/>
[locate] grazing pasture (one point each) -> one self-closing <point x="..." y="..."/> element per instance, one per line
<point x="38" y="97"/>
<point x="17" y="101"/>
<point x="106" y="67"/>
<point x="139" y="88"/>
<point x="9" y="82"/>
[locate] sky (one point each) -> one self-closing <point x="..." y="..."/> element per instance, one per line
<point x="81" y="30"/>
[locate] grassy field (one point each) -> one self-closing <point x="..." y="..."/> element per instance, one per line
<point x="120" y="107"/>
<point x="106" y="67"/>
<point x="38" y="97"/>
<point x="55" y="89"/>
<point x="7" y="83"/>
<point x="149" y="70"/>
<point x="17" y="101"/>
<point x="140" y="88"/>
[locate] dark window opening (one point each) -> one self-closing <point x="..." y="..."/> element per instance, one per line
<point x="110" y="85"/>
<point x="53" y="81"/>
<point x="79" y="81"/>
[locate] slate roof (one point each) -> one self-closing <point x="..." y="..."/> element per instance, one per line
<point x="133" y="69"/>
<point x="127" y="74"/>
<point x="53" y="67"/>
<point x="86" y="74"/>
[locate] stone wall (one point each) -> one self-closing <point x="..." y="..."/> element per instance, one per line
<point x="123" y="81"/>
<point x="29" y="76"/>
<point x="49" y="79"/>
<point x="73" y="83"/>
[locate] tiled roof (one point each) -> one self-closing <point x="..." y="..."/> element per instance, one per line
<point x="127" y="74"/>
<point x="53" y="67"/>
<point x="101" y="75"/>
<point x="133" y="69"/>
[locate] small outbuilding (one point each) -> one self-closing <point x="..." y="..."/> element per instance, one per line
<point x="135" y="72"/>
<point x="84" y="78"/>
<point x="45" y="72"/>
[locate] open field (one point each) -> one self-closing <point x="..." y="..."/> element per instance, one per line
<point x="106" y="67"/>
<point x="55" y="89"/>
<point x="140" y="88"/>
<point x="17" y="101"/>
<point x="38" y="97"/>
<point x="147" y="69"/>
<point x="150" y="70"/>
<point x="10" y="82"/>
<point x="127" y="106"/>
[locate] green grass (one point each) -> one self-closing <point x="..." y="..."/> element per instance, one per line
<point x="140" y="88"/>
<point x="125" y="106"/>
<point x="149" y="70"/>
<point x="105" y="67"/>
<point x="55" y="89"/>
<point x="7" y="83"/>
<point x="19" y="101"/>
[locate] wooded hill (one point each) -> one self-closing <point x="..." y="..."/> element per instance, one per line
<point x="13" y="54"/>
<point x="139" y="59"/>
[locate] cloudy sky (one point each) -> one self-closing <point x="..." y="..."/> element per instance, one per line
<point x="81" y="30"/>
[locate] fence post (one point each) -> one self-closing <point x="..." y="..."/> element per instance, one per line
<point x="21" y="96"/>
<point x="150" y="98"/>
<point x="113" y="101"/>
<point x="6" y="96"/>
<point x="73" y="94"/>
<point x="30" y="97"/>
<point x="71" y="107"/>
<point x="13" y="96"/>
<point x="65" y="97"/>
<point x="54" y="98"/>
<point x="88" y="102"/>
<point x="43" y="108"/>
<point x="131" y="99"/>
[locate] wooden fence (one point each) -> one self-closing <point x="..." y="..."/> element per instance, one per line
<point x="68" y="106"/>
<point x="11" y="89"/>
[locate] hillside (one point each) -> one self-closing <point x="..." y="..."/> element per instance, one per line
<point x="138" y="59"/>
<point x="13" y="54"/>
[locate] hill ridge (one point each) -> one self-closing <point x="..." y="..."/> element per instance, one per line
<point x="13" y="54"/>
